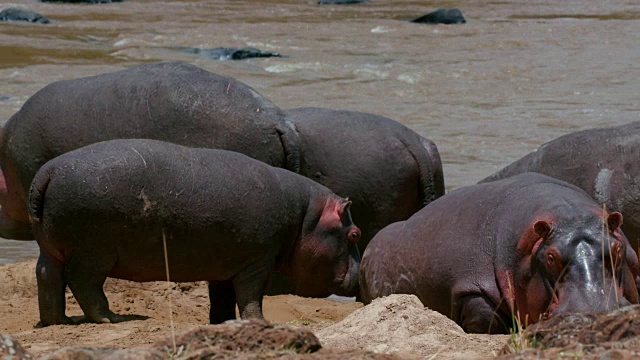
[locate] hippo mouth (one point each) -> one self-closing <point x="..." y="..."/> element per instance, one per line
<point x="555" y="301"/>
<point x="342" y="273"/>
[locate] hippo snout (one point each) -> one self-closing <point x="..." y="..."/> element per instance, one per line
<point x="599" y="301"/>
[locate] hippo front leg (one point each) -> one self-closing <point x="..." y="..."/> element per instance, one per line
<point x="222" y="296"/>
<point x="478" y="315"/>
<point x="51" y="287"/>
<point x="250" y="286"/>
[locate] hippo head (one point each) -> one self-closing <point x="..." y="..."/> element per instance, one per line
<point x="577" y="265"/>
<point x="326" y="259"/>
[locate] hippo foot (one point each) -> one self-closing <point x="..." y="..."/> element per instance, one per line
<point x="108" y="317"/>
<point x="64" y="320"/>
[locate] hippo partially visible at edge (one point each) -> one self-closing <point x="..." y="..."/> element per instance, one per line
<point x="385" y="168"/>
<point x="523" y="248"/>
<point x="604" y="162"/>
<point x="105" y="210"/>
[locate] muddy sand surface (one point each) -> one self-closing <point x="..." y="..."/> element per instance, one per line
<point x="397" y="324"/>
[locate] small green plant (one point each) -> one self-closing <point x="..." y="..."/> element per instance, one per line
<point x="519" y="341"/>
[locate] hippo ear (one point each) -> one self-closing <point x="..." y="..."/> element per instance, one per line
<point x="342" y="207"/>
<point x="614" y="221"/>
<point x="542" y="228"/>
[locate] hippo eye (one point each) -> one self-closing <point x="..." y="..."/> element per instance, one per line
<point x="551" y="261"/>
<point x="354" y="236"/>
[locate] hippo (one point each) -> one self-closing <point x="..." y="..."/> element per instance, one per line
<point x="442" y="16"/>
<point x="174" y="102"/>
<point x="109" y="209"/>
<point x="602" y="161"/>
<point x="393" y="171"/>
<point x="17" y="14"/>
<point x="516" y="250"/>
<point x="223" y="53"/>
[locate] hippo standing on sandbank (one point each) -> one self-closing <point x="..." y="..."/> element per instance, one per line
<point x="604" y="162"/>
<point x="385" y="168"/>
<point x="389" y="171"/>
<point x="105" y="210"/>
<point x="174" y="102"/>
<point x="525" y="248"/>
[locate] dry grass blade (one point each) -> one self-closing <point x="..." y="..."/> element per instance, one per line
<point x="166" y="264"/>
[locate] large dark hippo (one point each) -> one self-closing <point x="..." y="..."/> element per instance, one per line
<point x="104" y="210"/>
<point x="173" y="102"/>
<point x="526" y="247"/>
<point x="604" y="162"/>
<point x="385" y="168"/>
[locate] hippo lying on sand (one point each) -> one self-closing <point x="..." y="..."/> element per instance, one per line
<point x="528" y="247"/>
<point x="103" y="211"/>
<point x="174" y="102"/>
<point x="604" y="162"/>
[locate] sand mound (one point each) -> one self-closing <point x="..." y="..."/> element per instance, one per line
<point x="400" y="324"/>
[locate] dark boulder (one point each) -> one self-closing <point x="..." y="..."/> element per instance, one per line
<point x="83" y="1"/>
<point x="442" y="16"/>
<point x="222" y="53"/>
<point x="16" y="14"/>
<point x="341" y="2"/>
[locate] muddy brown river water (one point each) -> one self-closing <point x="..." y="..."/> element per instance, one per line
<point x="518" y="74"/>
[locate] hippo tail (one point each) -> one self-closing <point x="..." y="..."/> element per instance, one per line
<point x="290" y="140"/>
<point x="36" y="195"/>
<point x="431" y="177"/>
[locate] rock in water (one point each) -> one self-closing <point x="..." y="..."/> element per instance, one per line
<point x="16" y="14"/>
<point x="341" y="2"/>
<point x="442" y="16"/>
<point x="222" y="53"/>
<point x="84" y="1"/>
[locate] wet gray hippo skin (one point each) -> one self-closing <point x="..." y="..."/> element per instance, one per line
<point x="173" y="102"/>
<point x="604" y="162"/>
<point x="100" y="211"/>
<point x="385" y="168"/>
<point x="528" y="245"/>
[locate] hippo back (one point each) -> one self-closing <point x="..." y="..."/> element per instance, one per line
<point x="174" y="102"/>
<point x="603" y="162"/>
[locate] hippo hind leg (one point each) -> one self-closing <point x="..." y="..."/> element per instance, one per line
<point x="86" y="275"/>
<point x="223" y="301"/>
<point x="51" y="287"/>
